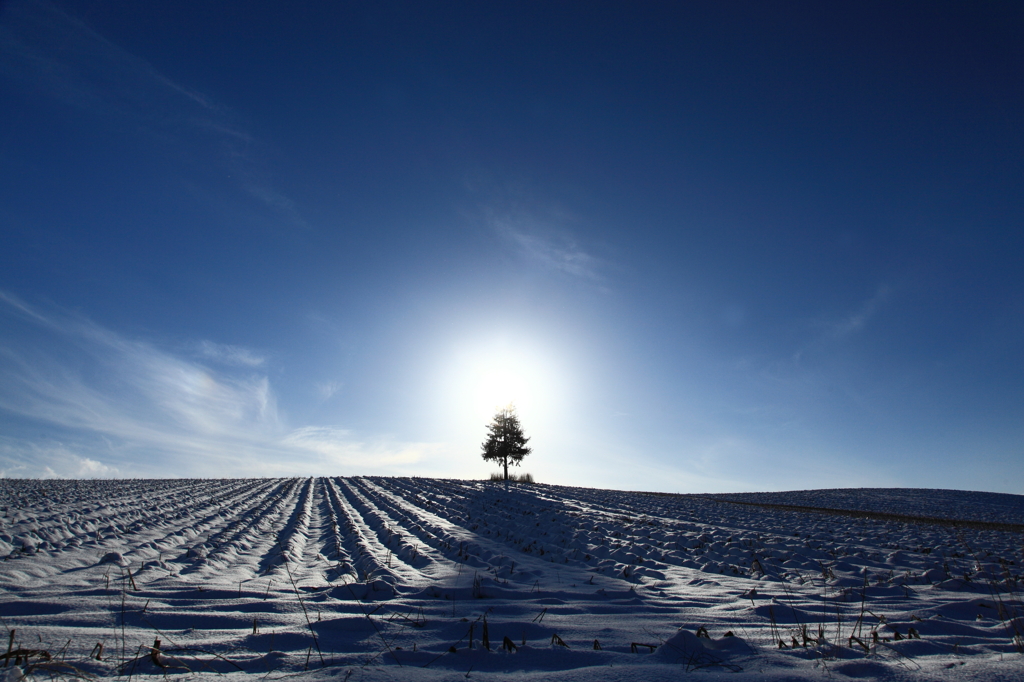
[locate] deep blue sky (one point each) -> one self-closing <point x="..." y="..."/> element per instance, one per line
<point x="703" y="246"/>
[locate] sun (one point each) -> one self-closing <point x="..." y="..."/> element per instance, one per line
<point x="484" y="374"/>
<point x="500" y="384"/>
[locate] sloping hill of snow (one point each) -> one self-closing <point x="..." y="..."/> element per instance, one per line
<point x="390" y="578"/>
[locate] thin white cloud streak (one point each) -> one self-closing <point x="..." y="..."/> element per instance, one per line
<point x="72" y="63"/>
<point x="828" y="331"/>
<point x="858" y="319"/>
<point x="109" y="405"/>
<point x="818" y="371"/>
<point x="230" y="355"/>
<point x="327" y="390"/>
<point x="560" y="254"/>
<point x="48" y="461"/>
<point x="337" y="446"/>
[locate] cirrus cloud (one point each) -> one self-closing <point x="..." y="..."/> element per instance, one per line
<point x="80" y="400"/>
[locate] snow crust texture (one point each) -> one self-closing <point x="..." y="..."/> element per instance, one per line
<point x="409" y="579"/>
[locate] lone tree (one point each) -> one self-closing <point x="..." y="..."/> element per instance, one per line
<point x="505" y="442"/>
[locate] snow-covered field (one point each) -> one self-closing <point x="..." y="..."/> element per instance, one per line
<point x="424" y="579"/>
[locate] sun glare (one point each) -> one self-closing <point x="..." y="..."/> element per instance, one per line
<point x="498" y="386"/>
<point x="486" y="376"/>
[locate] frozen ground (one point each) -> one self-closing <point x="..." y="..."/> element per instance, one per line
<point x="413" y="579"/>
<point x="921" y="502"/>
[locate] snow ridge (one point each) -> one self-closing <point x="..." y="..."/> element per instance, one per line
<point x="402" y="577"/>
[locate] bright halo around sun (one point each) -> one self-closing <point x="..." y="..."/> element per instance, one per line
<point x="500" y="385"/>
<point x="488" y="375"/>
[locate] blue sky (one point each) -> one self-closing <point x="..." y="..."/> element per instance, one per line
<point x="703" y="246"/>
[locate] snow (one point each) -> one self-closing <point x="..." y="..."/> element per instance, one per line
<point x="399" y="578"/>
<point x="920" y="502"/>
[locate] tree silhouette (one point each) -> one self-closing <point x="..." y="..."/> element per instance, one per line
<point x="505" y="442"/>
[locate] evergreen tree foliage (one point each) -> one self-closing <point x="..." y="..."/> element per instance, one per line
<point x="505" y="442"/>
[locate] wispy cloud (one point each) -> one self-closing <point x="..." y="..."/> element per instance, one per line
<point x="65" y="58"/>
<point x="230" y="355"/>
<point x="339" y="448"/>
<point x="858" y="319"/>
<point x="827" y="330"/>
<point x="26" y="459"/>
<point x="326" y="390"/>
<point x="82" y="400"/>
<point x="551" y="249"/>
<point x="807" y="368"/>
